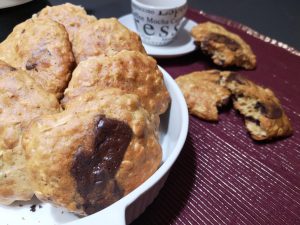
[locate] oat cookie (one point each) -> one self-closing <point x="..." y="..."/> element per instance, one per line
<point x="21" y="100"/>
<point x="104" y="36"/>
<point x="225" y="48"/>
<point x="86" y="158"/>
<point x="203" y="93"/>
<point x="41" y="47"/>
<point x="71" y="16"/>
<point x="264" y="116"/>
<point x="130" y="71"/>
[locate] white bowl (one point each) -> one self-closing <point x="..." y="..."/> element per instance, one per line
<point x="10" y="3"/>
<point x="173" y="132"/>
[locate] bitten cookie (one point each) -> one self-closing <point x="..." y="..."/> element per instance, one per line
<point x="104" y="36"/>
<point x="130" y="71"/>
<point x="86" y="158"/>
<point x="203" y="93"/>
<point x="225" y="48"/>
<point x="21" y="100"/>
<point x="264" y="116"/>
<point x="71" y="16"/>
<point x="41" y="47"/>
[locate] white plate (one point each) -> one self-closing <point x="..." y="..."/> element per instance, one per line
<point x="173" y="131"/>
<point x="183" y="43"/>
<point x="10" y="3"/>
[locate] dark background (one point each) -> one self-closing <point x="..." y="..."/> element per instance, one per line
<point x="279" y="19"/>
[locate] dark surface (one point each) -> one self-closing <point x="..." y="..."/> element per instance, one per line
<point x="275" y="18"/>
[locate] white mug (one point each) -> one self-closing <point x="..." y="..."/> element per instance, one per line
<point x="158" y="21"/>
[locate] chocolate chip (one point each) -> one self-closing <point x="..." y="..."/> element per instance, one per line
<point x="271" y="111"/>
<point x="94" y="169"/>
<point x="220" y="38"/>
<point x="236" y="77"/>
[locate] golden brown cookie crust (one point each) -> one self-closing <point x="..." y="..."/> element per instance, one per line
<point x="203" y="93"/>
<point x="130" y="71"/>
<point x="21" y="100"/>
<point x="103" y="37"/>
<point x="55" y="139"/>
<point x="42" y="47"/>
<point x="226" y="48"/>
<point x="264" y="116"/>
<point x="71" y="16"/>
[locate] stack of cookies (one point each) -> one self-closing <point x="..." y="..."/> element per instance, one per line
<point x="80" y="104"/>
<point x="206" y="91"/>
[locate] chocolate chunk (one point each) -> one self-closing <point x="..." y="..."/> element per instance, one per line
<point x="220" y="38"/>
<point x="271" y="111"/>
<point x="94" y="169"/>
<point x="236" y="77"/>
<point x="32" y="208"/>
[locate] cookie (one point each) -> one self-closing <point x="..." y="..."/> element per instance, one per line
<point x="130" y="71"/>
<point x="203" y="93"/>
<point x="225" y="48"/>
<point x="41" y="47"/>
<point x="71" y="16"/>
<point x="86" y="158"/>
<point x="104" y="36"/>
<point x="265" y="118"/>
<point x="21" y="100"/>
<point x="5" y="68"/>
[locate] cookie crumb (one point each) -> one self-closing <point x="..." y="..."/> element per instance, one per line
<point x="40" y="206"/>
<point x="33" y="208"/>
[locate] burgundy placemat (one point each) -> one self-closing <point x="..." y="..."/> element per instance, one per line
<point x="222" y="176"/>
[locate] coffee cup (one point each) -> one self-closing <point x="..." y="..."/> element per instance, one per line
<point x="158" y="21"/>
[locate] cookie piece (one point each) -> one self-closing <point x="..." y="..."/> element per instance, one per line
<point x="130" y="71"/>
<point x="104" y="36"/>
<point x="71" y="16"/>
<point x="41" y="47"/>
<point x="203" y="93"/>
<point x="21" y="100"/>
<point x="225" y="48"/>
<point x="264" y="116"/>
<point x="86" y="158"/>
